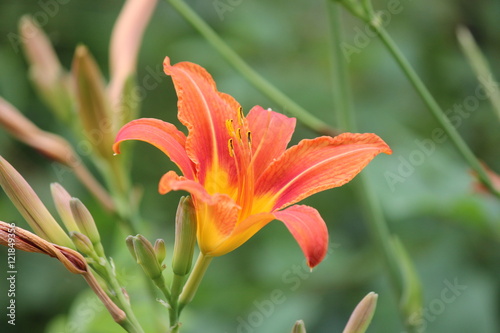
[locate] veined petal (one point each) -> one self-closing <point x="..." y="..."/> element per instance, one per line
<point x="163" y="136"/>
<point x="173" y="182"/>
<point x="242" y="232"/>
<point x="216" y="214"/>
<point x="309" y="230"/>
<point x="204" y="111"/>
<point x="316" y="165"/>
<point x="271" y="132"/>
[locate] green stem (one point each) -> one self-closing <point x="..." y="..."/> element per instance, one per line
<point x="119" y="184"/>
<point x="122" y="301"/>
<point x="432" y="105"/>
<point x="372" y="209"/>
<point x="194" y="280"/>
<point x="250" y="74"/>
<point x="479" y="65"/>
<point x="174" y="312"/>
<point x="341" y="95"/>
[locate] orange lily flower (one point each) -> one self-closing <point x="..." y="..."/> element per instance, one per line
<point x="238" y="170"/>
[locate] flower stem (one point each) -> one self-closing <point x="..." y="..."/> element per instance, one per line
<point x="372" y="209"/>
<point x="249" y="73"/>
<point x="479" y="65"/>
<point x="431" y="104"/>
<point x="123" y="302"/>
<point x="194" y="280"/>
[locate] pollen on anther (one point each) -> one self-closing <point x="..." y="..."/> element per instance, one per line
<point x="229" y="127"/>
<point x="240" y="116"/>
<point x="230" y="147"/>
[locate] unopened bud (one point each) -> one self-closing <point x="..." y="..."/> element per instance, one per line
<point x="84" y="220"/>
<point x="61" y="199"/>
<point x="130" y="245"/>
<point x="51" y="145"/>
<point x="146" y="257"/>
<point x="160" y="250"/>
<point x="124" y="48"/>
<point x="30" y="206"/>
<point x="185" y="237"/>
<point x="93" y="104"/>
<point x="299" y="327"/>
<point x="82" y="243"/>
<point x="362" y="315"/>
<point x="47" y="74"/>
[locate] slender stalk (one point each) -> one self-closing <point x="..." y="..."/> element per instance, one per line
<point x="119" y="184"/>
<point x="110" y="277"/>
<point x="479" y="65"/>
<point x="341" y="94"/>
<point x="174" y="312"/>
<point x="432" y="105"/>
<point x="194" y="280"/>
<point x="371" y="207"/>
<point x="250" y="74"/>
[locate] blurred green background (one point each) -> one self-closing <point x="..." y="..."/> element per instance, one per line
<point x="451" y="233"/>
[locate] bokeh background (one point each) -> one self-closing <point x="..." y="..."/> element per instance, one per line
<point x="451" y="232"/>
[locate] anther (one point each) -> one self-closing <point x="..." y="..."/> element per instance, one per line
<point x="249" y="138"/>
<point x="240" y="116"/>
<point x="230" y="147"/>
<point x="239" y="134"/>
<point x="229" y="126"/>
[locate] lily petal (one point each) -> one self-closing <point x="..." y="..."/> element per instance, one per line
<point x="216" y="214"/>
<point x="242" y="232"/>
<point x="173" y="182"/>
<point x="271" y="132"/>
<point x="204" y="111"/>
<point x="309" y="230"/>
<point x="163" y="136"/>
<point x="317" y="165"/>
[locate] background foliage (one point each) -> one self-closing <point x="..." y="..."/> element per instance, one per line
<point x="451" y="232"/>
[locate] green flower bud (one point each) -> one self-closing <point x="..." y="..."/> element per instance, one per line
<point x="299" y="327"/>
<point x="93" y="105"/>
<point x="160" y="250"/>
<point x="146" y="257"/>
<point x="82" y="243"/>
<point x="185" y="237"/>
<point x="61" y="199"/>
<point x="30" y="206"/>
<point x="130" y="245"/>
<point x="84" y="220"/>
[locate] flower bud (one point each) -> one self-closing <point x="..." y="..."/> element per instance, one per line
<point x="84" y="220"/>
<point x="130" y="245"/>
<point x="185" y="237"/>
<point x="146" y="257"/>
<point x="50" y="79"/>
<point x="93" y="103"/>
<point x="299" y="327"/>
<point x="61" y="200"/>
<point x="124" y="47"/>
<point x="51" y="145"/>
<point x="160" y="250"/>
<point x="82" y="243"/>
<point x="30" y="206"/>
<point x="362" y="315"/>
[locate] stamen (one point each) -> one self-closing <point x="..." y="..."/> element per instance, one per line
<point x="239" y="134"/>
<point x="230" y="147"/>
<point x="249" y="138"/>
<point x="240" y="116"/>
<point x="230" y="127"/>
